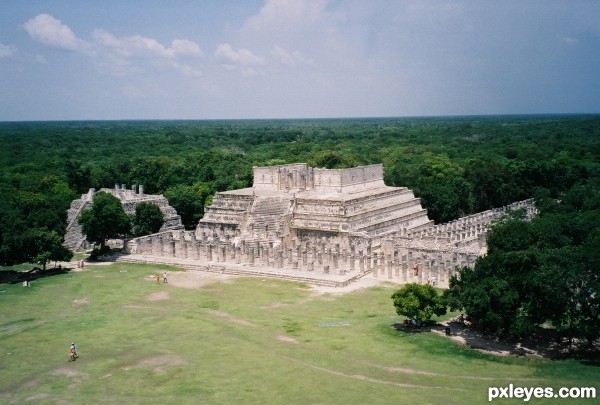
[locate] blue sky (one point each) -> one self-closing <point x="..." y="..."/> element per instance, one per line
<point x="154" y="59"/>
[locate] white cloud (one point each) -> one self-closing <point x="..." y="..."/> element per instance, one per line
<point x="241" y="60"/>
<point x="6" y="51"/>
<point x="241" y="57"/>
<point x="183" y="68"/>
<point x="569" y="40"/>
<point x="290" y="58"/>
<point x="183" y="47"/>
<point x="116" y="56"/>
<point x="287" y="14"/>
<point x="140" y="47"/>
<point x="50" y="31"/>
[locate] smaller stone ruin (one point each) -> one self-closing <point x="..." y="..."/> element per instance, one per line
<point x="75" y="239"/>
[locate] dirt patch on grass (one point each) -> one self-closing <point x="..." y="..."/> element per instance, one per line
<point x="230" y="318"/>
<point x="80" y="302"/>
<point x="274" y="305"/>
<point x="364" y="282"/>
<point x="197" y="279"/>
<point x="158" y="364"/>
<point x="159" y="296"/>
<point x="287" y="339"/>
<point x="37" y="397"/>
<point x="76" y="376"/>
<point x="406" y="370"/>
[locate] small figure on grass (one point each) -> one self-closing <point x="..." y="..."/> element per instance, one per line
<point x="73" y="352"/>
<point x="165" y="277"/>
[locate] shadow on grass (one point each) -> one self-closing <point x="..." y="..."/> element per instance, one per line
<point x="544" y="343"/>
<point x="15" y="277"/>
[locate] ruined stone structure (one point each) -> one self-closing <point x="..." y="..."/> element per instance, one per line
<point x="327" y="226"/>
<point x="74" y="238"/>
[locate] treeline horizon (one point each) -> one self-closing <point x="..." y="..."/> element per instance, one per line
<point x="383" y="117"/>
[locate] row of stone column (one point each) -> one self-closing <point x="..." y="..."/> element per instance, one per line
<point x="420" y="266"/>
<point x="398" y="264"/>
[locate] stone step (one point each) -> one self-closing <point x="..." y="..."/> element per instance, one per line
<point x="247" y="272"/>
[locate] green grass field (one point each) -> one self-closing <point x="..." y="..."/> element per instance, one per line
<point x="247" y="340"/>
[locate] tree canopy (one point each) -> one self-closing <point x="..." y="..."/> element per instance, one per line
<point x="106" y="219"/>
<point x="538" y="271"/>
<point x="419" y="302"/>
<point x="148" y="219"/>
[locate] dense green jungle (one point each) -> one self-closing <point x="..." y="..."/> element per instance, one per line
<point x="456" y="165"/>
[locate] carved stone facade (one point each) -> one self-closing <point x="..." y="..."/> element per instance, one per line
<point x="74" y="238"/>
<point x="328" y="226"/>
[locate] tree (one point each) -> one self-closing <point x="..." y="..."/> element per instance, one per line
<point x="41" y="246"/>
<point x="105" y="220"/>
<point x="418" y="301"/>
<point x="148" y="219"/>
<point x="188" y="201"/>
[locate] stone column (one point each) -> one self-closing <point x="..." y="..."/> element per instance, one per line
<point x="361" y="262"/>
<point x="328" y="258"/>
<point x="251" y="256"/>
<point x="298" y="257"/>
<point x="223" y="253"/>
<point x="209" y="252"/>
<point x="335" y="261"/>
<point x="184" y="248"/>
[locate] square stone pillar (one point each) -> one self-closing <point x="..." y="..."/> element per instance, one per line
<point x="361" y="262"/>
<point x="223" y="253"/>
<point x="251" y="256"/>
<point x="209" y="255"/>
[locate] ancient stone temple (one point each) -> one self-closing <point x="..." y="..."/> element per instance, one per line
<point x="326" y="226"/>
<point x="74" y="238"/>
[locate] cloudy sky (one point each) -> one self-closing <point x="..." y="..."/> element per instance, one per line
<point x="155" y="59"/>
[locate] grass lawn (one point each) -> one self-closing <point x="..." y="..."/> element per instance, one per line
<point x="246" y="340"/>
